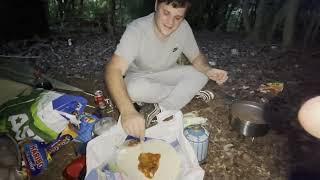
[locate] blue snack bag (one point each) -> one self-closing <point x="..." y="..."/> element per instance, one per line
<point x="35" y="157"/>
<point x="84" y="131"/>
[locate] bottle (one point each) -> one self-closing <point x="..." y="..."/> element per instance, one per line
<point x="101" y="110"/>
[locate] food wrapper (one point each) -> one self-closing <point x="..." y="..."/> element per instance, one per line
<point x="56" y="145"/>
<point x="193" y="118"/>
<point x="82" y="131"/>
<point x="36" y="157"/>
<point x="86" y="127"/>
<point x="274" y="88"/>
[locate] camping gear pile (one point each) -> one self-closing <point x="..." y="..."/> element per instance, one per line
<point x="41" y="121"/>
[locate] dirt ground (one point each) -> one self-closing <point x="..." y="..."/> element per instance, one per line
<point x="286" y="152"/>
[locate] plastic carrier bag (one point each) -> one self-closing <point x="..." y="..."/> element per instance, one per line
<point x="101" y="150"/>
<point x="42" y="115"/>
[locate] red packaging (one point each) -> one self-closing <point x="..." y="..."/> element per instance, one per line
<point x="99" y="99"/>
<point x="73" y="170"/>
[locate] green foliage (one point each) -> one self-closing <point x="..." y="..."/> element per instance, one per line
<point x="211" y="14"/>
<point x="139" y="8"/>
<point x="125" y="11"/>
<point x="234" y="20"/>
<point x="223" y="15"/>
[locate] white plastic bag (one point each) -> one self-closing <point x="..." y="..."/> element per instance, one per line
<point x="101" y="149"/>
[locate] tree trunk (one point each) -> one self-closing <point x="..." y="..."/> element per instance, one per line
<point x="223" y="25"/>
<point x="312" y="30"/>
<point x="315" y="31"/>
<point x="80" y="11"/>
<point x="216" y="13"/>
<point x="277" y="20"/>
<point x="81" y="4"/>
<point x="289" y="24"/>
<point x="121" y="11"/>
<point x="258" y="26"/>
<point x="60" y="9"/>
<point x="112" y="16"/>
<point x="46" y="15"/>
<point x="212" y="14"/>
<point x="246" y="16"/>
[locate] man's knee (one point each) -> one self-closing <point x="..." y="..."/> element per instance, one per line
<point x="198" y="77"/>
<point x="203" y="78"/>
<point x="134" y="89"/>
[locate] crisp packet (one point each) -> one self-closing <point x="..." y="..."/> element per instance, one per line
<point x="55" y="146"/>
<point x="35" y="156"/>
<point x="85" y="129"/>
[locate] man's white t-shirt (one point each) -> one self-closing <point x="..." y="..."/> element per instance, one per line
<point x="145" y="52"/>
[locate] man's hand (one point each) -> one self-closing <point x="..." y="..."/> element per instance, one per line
<point x="218" y="75"/>
<point x="201" y="64"/>
<point x="133" y="124"/>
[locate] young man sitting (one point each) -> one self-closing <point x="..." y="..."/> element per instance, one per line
<point x="146" y="56"/>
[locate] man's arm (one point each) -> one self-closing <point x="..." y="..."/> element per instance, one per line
<point x="114" y="72"/>
<point x="201" y="64"/>
<point x="132" y="121"/>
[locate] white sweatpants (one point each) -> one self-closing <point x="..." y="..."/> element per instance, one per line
<point x="171" y="89"/>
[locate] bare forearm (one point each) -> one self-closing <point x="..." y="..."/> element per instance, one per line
<point x="217" y="75"/>
<point x="117" y="89"/>
<point x="132" y="122"/>
<point x="201" y="64"/>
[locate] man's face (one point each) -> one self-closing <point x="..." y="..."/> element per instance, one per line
<point x="168" y="18"/>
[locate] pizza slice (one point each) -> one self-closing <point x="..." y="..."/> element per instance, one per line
<point x="149" y="164"/>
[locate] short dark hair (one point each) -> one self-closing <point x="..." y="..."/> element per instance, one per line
<point x="177" y="3"/>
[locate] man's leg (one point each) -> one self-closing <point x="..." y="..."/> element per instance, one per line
<point x="171" y="89"/>
<point x="143" y="88"/>
<point x="188" y="81"/>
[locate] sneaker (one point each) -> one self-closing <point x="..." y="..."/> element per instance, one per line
<point x="150" y="112"/>
<point x="205" y="95"/>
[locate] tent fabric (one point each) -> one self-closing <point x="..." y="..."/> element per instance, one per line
<point x="10" y="89"/>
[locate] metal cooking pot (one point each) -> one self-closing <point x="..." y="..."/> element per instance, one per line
<point x="246" y="117"/>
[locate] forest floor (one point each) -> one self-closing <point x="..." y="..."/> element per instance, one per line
<point x="286" y="152"/>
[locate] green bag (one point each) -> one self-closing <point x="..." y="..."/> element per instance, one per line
<point x="18" y="117"/>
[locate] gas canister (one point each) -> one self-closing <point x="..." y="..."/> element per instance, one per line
<point x="198" y="137"/>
